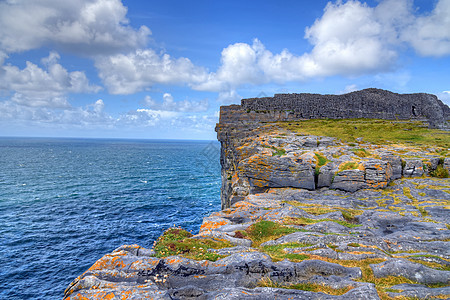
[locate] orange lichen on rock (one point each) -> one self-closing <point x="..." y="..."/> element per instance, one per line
<point x="210" y="225"/>
<point x="109" y="262"/>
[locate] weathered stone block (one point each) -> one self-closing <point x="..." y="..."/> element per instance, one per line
<point x="378" y="173"/>
<point x="275" y="171"/>
<point x="413" y="167"/>
<point x="349" y="180"/>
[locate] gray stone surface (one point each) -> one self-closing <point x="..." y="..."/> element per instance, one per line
<point x="410" y="270"/>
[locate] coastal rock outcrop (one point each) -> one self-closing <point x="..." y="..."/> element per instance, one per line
<point x="305" y="216"/>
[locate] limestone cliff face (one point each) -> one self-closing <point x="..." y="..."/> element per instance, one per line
<point x="251" y="164"/>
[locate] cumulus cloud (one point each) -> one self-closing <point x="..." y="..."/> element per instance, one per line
<point x="39" y="87"/>
<point x="350" y="39"/>
<point x="88" y="27"/>
<point x="141" y="69"/>
<point x="168" y="104"/>
<point x="430" y="34"/>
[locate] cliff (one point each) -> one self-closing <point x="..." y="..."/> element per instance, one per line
<point x="359" y="211"/>
<point x="243" y="158"/>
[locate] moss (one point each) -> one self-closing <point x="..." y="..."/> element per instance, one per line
<point x="177" y="241"/>
<point x="354" y="245"/>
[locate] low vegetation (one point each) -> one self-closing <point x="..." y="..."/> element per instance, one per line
<point x="373" y="131"/>
<point x="264" y="231"/>
<point x="311" y="287"/>
<point x="177" y="241"/>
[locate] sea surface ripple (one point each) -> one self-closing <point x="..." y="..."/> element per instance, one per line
<point x="64" y="203"/>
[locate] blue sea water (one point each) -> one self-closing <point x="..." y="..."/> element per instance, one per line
<point x="64" y="203"/>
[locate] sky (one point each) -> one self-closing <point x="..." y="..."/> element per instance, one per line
<point x="162" y="69"/>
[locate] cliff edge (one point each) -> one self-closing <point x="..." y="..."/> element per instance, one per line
<point x="312" y="209"/>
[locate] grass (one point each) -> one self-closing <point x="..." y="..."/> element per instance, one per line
<point x="276" y="252"/>
<point x="264" y="231"/>
<point x="311" y="287"/>
<point x="306" y="221"/>
<point x="349" y="214"/>
<point x="321" y="160"/>
<point x="177" y="241"/>
<point x="361" y="152"/>
<point x="350" y="165"/>
<point x="440" y="172"/>
<point x="279" y="152"/>
<point x="373" y="131"/>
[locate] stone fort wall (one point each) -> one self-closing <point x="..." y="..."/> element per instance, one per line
<point x="368" y="103"/>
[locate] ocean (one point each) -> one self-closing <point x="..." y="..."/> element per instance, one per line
<point x="64" y="203"/>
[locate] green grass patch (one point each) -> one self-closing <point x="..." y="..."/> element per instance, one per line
<point x="373" y="131"/>
<point x="321" y="160"/>
<point x="349" y="214"/>
<point x="311" y="287"/>
<point x="354" y="245"/>
<point x="361" y="152"/>
<point x="440" y="172"/>
<point x="264" y="231"/>
<point x="350" y="165"/>
<point x="306" y="221"/>
<point x="278" y="151"/>
<point x="276" y="252"/>
<point x="177" y="241"/>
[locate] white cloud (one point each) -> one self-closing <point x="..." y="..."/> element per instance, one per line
<point x="88" y="27"/>
<point x="430" y="34"/>
<point x="35" y="86"/>
<point x="141" y="69"/>
<point x="92" y="115"/>
<point x="168" y="104"/>
<point x="348" y="40"/>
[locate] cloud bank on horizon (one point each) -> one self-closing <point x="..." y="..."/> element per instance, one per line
<point x="56" y="55"/>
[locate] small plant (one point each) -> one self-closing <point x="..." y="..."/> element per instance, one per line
<point x="440" y="172"/>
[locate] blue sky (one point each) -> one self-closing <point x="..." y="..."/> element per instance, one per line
<point x="162" y="69"/>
